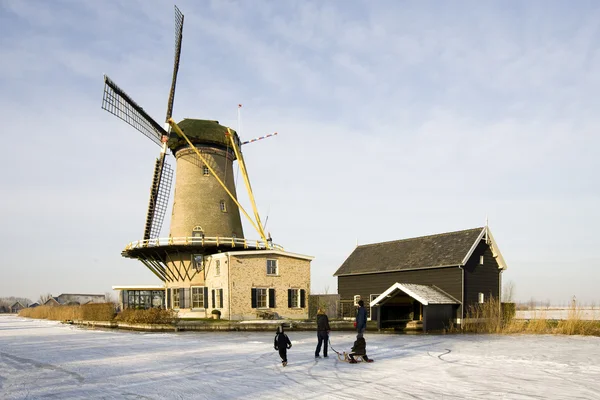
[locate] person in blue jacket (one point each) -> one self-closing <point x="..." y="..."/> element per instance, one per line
<point x="361" y="319"/>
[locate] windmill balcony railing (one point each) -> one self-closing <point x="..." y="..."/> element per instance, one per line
<point x="206" y="241"/>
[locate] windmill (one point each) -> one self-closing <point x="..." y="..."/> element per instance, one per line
<point x="206" y="212"/>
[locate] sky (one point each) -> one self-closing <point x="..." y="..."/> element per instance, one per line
<point x="394" y="120"/>
<point x="45" y="359"/>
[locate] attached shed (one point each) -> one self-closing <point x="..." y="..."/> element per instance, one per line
<point x="403" y="303"/>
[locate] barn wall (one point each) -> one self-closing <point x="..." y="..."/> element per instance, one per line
<point x="481" y="278"/>
<point x="448" y="279"/>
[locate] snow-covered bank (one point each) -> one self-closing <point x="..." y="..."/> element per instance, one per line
<point x="48" y="359"/>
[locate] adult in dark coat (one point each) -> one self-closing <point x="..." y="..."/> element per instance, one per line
<point x="361" y="319"/>
<point x="282" y="343"/>
<point x="322" y="332"/>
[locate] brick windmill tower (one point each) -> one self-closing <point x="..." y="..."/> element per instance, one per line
<point x="206" y="229"/>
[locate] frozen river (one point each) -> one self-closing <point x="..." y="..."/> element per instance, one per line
<point x="45" y="359"/>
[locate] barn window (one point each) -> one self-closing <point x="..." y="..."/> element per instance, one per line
<point x="480" y="260"/>
<point x="481" y="298"/>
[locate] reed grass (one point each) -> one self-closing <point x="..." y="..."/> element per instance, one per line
<point x="494" y="317"/>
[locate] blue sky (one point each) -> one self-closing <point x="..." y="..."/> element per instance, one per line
<point x="395" y="120"/>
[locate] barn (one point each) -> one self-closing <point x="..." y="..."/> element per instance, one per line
<point x="428" y="281"/>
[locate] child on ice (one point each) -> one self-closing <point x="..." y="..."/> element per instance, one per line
<point x="282" y="343"/>
<point x="359" y="350"/>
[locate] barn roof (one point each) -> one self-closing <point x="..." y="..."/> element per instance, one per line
<point x="441" y="250"/>
<point x="424" y="294"/>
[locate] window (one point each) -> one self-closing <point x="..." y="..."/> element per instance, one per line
<point x="272" y="267"/>
<point x="217" y="298"/>
<point x="198" y="262"/>
<point x="175" y="295"/>
<point x="261" y="298"/>
<point x="481" y="298"/>
<point x="222" y="206"/>
<point x="293" y="298"/>
<point x="198" y="297"/>
<point x="480" y="260"/>
<point x="356" y="299"/>
<point x="218" y="267"/>
<point x="296" y="298"/>
<point x="206" y="171"/>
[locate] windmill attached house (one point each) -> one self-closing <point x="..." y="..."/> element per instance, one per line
<point x="206" y="263"/>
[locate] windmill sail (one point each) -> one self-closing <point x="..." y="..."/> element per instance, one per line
<point x="118" y="103"/>
<point x="159" y="198"/>
<point x="178" y="37"/>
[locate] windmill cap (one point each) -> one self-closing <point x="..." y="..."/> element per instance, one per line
<point x="201" y="131"/>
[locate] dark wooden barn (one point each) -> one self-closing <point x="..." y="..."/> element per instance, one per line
<point x="430" y="279"/>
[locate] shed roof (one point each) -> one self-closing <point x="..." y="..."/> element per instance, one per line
<point x="424" y="294"/>
<point x="445" y="249"/>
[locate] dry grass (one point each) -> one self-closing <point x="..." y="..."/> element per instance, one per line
<point x="87" y="312"/>
<point x="150" y="316"/>
<point x="492" y="317"/>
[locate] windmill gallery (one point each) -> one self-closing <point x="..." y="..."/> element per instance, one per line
<point x="207" y="263"/>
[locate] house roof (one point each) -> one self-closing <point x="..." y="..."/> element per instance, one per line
<point x="441" y="250"/>
<point x="17" y="302"/>
<point x="424" y="294"/>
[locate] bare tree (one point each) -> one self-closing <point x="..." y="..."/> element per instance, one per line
<point x="109" y="297"/>
<point x="44" y="298"/>
<point x="508" y="291"/>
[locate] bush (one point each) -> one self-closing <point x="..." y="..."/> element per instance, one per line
<point x="216" y="312"/>
<point x="150" y="316"/>
<point x="98" y="312"/>
<point x="54" y="313"/>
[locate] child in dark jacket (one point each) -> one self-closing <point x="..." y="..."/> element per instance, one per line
<point x="359" y="349"/>
<point x="282" y="343"/>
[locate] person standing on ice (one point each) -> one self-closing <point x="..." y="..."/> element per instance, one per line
<point x="361" y="319"/>
<point x="282" y="343"/>
<point x="322" y="332"/>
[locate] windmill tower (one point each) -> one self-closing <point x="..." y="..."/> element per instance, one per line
<point x="206" y="214"/>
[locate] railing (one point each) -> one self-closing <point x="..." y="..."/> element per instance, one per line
<point x="205" y="241"/>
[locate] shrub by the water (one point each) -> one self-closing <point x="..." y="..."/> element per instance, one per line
<point x="150" y="316"/>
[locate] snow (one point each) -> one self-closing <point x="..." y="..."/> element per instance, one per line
<point x="45" y="359"/>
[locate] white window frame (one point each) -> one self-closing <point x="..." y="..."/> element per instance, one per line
<point x="217" y="267"/>
<point x="200" y="295"/>
<point x="175" y="295"/>
<point x="297" y="291"/>
<point x="481" y="260"/>
<point x="481" y="298"/>
<point x="356" y="299"/>
<point x="276" y="273"/>
<point x="266" y="297"/>
<point x="205" y="171"/>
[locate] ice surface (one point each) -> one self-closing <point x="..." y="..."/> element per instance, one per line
<point x="44" y="359"/>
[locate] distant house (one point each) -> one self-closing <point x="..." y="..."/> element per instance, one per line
<point x="70" y="299"/>
<point x="430" y="279"/>
<point x="16" y="307"/>
<point x="33" y="305"/>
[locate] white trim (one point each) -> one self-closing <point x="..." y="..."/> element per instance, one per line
<point x="274" y="252"/>
<point x="496" y="252"/>
<point x="399" y="286"/>
<point x="470" y="253"/>
<point x="139" y="287"/>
